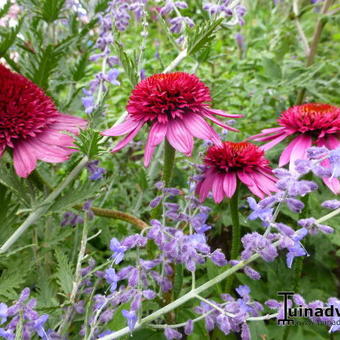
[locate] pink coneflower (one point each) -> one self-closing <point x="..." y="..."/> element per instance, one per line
<point x="31" y="125"/>
<point x="232" y="161"/>
<point x="174" y="105"/>
<point x="309" y="124"/>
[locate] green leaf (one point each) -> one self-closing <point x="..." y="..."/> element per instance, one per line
<point x="4" y="10"/>
<point x="10" y="281"/>
<point x="50" y="10"/>
<point x="128" y="64"/>
<point x="64" y="273"/>
<point x="89" y="142"/>
<point x="8" y="38"/>
<point x="271" y="68"/>
<point x="202" y="36"/>
<point x="73" y="196"/>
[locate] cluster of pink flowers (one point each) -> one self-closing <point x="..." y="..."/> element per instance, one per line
<point x="175" y="106"/>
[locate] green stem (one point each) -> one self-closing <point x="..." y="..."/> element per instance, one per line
<point x="116" y="214"/>
<point x="169" y="160"/>
<point x="43" y="208"/>
<point x="236" y="234"/>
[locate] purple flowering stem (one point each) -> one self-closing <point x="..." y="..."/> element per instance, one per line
<point x="236" y="234"/>
<point x="314" y="44"/>
<point x="43" y="208"/>
<point x="183" y="299"/>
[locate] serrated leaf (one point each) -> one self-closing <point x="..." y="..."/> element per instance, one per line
<point x="73" y="196"/>
<point x="89" y="142"/>
<point x="128" y="64"/>
<point x="50" y="10"/>
<point x="64" y="273"/>
<point x="8" y="38"/>
<point x="10" y="281"/>
<point x="202" y="35"/>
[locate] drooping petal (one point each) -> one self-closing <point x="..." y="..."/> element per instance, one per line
<point x="199" y="128"/>
<point x="299" y="150"/>
<point x="264" y="183"/>
<point x="229" y="184"/>
<point x="266" y="132"/>
<point x="179" y="137"/>
<point x="128" y="138"/>
<point x="218" y="122"/>
<point x="47" y="152"/>
<point x="24" y="159"/>
<point x="333" y="184"/>
<point x="250" y="183"/>
<point x="274" y="142"/>
<point x="156" y="135"/>
<point x="205" y="186"/>
<point x="122" y="129"/>
<point x="217" y="188"/>
<point x="68" y="123"/>
<point x="224" y="114"/>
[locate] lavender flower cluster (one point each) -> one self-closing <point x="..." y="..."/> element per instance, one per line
<point x="290" y="187"/>
<point x="116" y="16"/>
<point x="22" y="321"/>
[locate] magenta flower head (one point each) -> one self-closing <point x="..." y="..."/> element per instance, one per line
<point x="227" y="164"/>
<point x="31" y="125"/>
<point x="175" y="106"/>
<point x="308" y="124"/>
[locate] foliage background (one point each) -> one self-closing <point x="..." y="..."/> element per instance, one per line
<point x="51" y="46"/>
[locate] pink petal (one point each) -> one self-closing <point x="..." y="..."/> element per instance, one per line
<point x="275" y="141"/>
<point x="224" y="114"/>
<point x="244" y="178"/>
<point x="47" y="152"/>
<point x="24" y="159"/>
<point x="229" y="184"/>
<point x="204" y="187"/>
<point x="266" y="132"/>
<point x="128" y="138"/>
<point x="199" y="128"/>
<point x="333" y="184"/>
<point x="68" y="123"/>
<point x="250" y="183"/>
<point x="122" y="129"/>
<point x="331" y="142"/>
<point x="156" y="135"/>
<point x="179" y="137"/>
<point x="53" y="137"/>
<point x="217" y="188"/>
<point x="297" y="150"/>
<point x="218" y="122"/>
<point x="264" y="183"/>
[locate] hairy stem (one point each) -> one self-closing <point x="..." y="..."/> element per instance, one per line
<point x="236" y="234"/>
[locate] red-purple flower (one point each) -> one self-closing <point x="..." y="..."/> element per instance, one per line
<point x="232" y="161"/>
<point x="174" y="105"/>
<point x="31" y="125"/>
<point x="312" y="123"/>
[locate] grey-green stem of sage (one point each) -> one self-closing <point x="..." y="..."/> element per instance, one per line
<point x="43" y="208"/>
